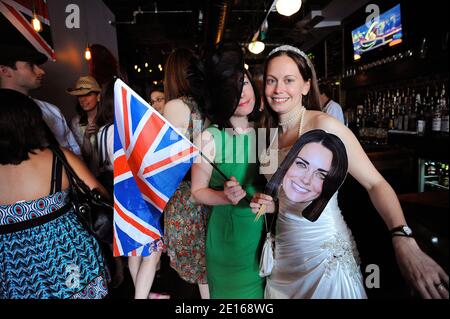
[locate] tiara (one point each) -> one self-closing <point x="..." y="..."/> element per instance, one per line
<point x="290" y="48"/>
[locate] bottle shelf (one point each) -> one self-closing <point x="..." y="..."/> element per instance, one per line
<point x="402" y="132"/>
<point x="437" y="185"/>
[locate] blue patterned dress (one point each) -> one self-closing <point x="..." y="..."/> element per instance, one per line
<point x="57" y="259"/>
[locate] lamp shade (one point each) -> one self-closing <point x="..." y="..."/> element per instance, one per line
<point x="288" y="7"/>
<point x="256" y="47"/>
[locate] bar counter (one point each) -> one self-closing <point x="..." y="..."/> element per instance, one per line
<point x="427" y="214"/>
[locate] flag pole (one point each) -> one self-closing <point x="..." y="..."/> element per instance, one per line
<point x="219" y="171"/>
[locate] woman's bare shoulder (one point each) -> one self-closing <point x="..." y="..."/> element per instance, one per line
<point x="323" y="121"/>
<point x="176" y="105"/>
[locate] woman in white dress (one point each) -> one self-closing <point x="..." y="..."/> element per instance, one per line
<point x="319" y="259"/>
<point x="305" y="185"/>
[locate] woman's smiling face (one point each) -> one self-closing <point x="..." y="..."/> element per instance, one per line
<point x="303" y="181"/>
<point x="89" y="101"/>
<point x="285" y="86"/>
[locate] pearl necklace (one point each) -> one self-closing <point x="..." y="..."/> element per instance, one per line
<point x="297" y="116"/>
<point x="264" y="157"/>
<point x="302" y="117"/>
<point x="291" y="116"/>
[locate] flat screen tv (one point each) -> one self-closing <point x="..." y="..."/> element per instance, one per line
<point x="386" y="30"/>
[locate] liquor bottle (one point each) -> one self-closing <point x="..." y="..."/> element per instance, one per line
<point x="431" y="169"/>
<point x="391" y="123"/>
<point x="359" y="116"/>
<point x="413" y="118"/>
<point x="420" y="123"/>
<point x="428" y="109"/>
<point x="436" y="121"/>
<point x="401" y="111"/>
<point x="445" y="178"/>
<point x="407" y="110"/>
<point x="384" y="113"/>
<point x="444" y="109"/>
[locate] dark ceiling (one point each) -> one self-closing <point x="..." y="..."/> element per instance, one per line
<point x="148" y="31"/>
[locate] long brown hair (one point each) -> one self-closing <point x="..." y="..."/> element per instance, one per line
<point x="310" y="101"/>
<point x="176" y="84"/>
<point x="105" y="109"/>
<point x="333" y="180"/>
<point x="103" y="65"/>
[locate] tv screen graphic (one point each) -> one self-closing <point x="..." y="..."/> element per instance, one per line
<point x="386" y="30"/>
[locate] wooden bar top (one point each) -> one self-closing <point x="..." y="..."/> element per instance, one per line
<point x="436" y="199"/>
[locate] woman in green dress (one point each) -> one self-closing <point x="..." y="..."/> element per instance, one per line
<point x="233" y="237"/>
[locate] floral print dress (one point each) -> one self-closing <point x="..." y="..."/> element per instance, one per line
<point x="185" y="222"/>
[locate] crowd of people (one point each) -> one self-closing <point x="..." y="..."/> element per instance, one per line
<point x="211" y="235"/>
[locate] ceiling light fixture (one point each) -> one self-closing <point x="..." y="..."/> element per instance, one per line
<point x="256" y="47"/>
<point x="87" y="53"/>
<point x="37" y="26"/>
<point x="288" y="7"/>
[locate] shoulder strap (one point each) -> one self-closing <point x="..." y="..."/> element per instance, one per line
<point x="103" y="145"/>
<point x="269" y="228"/>
<point x="56" y="180"/>
<point x="53" y="176"/>
<point x="76" y="182"/>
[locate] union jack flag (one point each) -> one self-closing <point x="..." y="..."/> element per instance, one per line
<point x="150" y="160"/>
<point x="19" y="14"/>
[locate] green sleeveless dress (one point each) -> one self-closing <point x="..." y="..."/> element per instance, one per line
<point x="234" y="239"/>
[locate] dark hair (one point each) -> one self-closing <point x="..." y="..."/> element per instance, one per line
<point x="310" y="101"/>
<point x="217" y="83"/>
<point x="333" y="180"/>
<point x="11" y="64"/>
<point x="324" y="88"/>
<point x="103" y="66"/>
<point x="256" y="113"/>
<point x="105" y="109"/>
<point x="22" y="128"/>
<point x="176" y="84"/>
<point x="157" y="88"/>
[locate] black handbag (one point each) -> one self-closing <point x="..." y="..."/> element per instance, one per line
<point x="105" y="176"/>
<point x="91" y="207"/>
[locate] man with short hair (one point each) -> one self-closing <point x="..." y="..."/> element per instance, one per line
<point x="328" y="105"/>
<point x="20" y="71"/>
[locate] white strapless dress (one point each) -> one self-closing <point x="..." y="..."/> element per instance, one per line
<point x="314" y="260"/>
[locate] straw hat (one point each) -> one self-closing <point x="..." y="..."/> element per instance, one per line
<point x="84" y="85"/>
